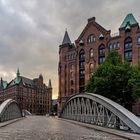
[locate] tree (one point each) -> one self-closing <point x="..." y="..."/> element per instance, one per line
<point x="134" y="82"/>
<point x="112" y="80"/>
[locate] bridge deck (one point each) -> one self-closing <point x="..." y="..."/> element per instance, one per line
<point x="46" y="128"/>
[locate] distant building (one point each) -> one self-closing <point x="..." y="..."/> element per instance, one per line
<point x="78" y="61"/>
<point x="32" y="95"/>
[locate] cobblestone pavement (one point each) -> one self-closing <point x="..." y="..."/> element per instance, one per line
<point x="46" y="128"/>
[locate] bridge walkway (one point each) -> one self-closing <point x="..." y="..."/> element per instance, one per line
<point x="49" y="128"/>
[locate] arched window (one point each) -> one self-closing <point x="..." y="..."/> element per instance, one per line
<point x="91" y="68"/>
<point x="91" y="53"/>
<point x="91" y="38"/>
<point x="81" y="59"/>
<point x="128" y="49"/>
<point x="81" y="70"/>
<point x="101" y="54"/>
<point x="128" y="43"/>
<point x="81" y="55"/>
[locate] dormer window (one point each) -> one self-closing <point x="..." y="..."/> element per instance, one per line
<point x="128" y="28"/>
<point x="90" y="39"/>
<point x="81" y="43"/>
<point x="101" y="37"/>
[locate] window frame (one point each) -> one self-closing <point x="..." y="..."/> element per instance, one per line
<point x="91" y="53"/>
<point x="91" y="39"/>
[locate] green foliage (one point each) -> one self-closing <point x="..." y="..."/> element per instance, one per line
<point x="112" y="80"/>
<point x="134" y="82"/>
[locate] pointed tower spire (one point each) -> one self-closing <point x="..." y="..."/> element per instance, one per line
<point x="18" y="78"/>
<point x="18" y="73"/>
<point x="66" y="38"/>
<point x="50" y="84"/>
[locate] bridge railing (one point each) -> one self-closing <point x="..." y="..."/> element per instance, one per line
<point x="98" y="110"/>
<point x="9" y="110"/>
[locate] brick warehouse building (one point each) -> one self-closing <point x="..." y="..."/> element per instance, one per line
<point x="78" y="61"/>
<point x="32" y="95"/>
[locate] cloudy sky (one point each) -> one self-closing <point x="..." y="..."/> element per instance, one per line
<point x="32" y="30"/>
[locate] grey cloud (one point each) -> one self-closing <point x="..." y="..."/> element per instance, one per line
<point x="32" y="30"/>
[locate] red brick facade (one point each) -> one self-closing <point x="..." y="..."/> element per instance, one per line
<point x="77" y="61"/>
<point x="32" y="95"/>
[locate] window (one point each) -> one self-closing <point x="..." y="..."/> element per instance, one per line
<point x="138" y="39"/>
<point x="110" y="46"/>
<point x="72" y="67"/>
<point x="102" y="50"/>
<point x="101" y="60"/>
<point x="91" y="53"/>
<point x="81" y="43"/>
<point x="128" y="43"/>
<point x="82" y="55"/>
<point x="128" y="49"/>
<point x="73" y="56"/>
<point x="82" y="73"/>
<point x="90" y="39"/>
<point x="81" y="64"/>
<point x="115" y="45"/>
<point x="91" y="68"/>
<point x="128" y="55"/>
<point x="101" y="54"/>
<point x="71" y="74"/>
<point x="81" y="69"/>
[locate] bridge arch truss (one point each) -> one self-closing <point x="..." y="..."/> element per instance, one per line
<point x="98" y="110"/>
<point x="9" y="110"/>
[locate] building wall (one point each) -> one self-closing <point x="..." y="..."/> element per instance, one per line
<point x="34" y="98"/>
<point x="84" y="67"/>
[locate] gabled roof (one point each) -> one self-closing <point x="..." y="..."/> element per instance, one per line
<point x="129" y="19"/>
<point x="24" y="80"/>
<point x="66" y="38"/>
<point x="92" y="22"/>
<point x="15" y="81"/>
<point x="27" y="81"/>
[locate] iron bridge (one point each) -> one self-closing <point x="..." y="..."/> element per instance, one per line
<point x="98" y="110"/>
<point x="9" y="110"/>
